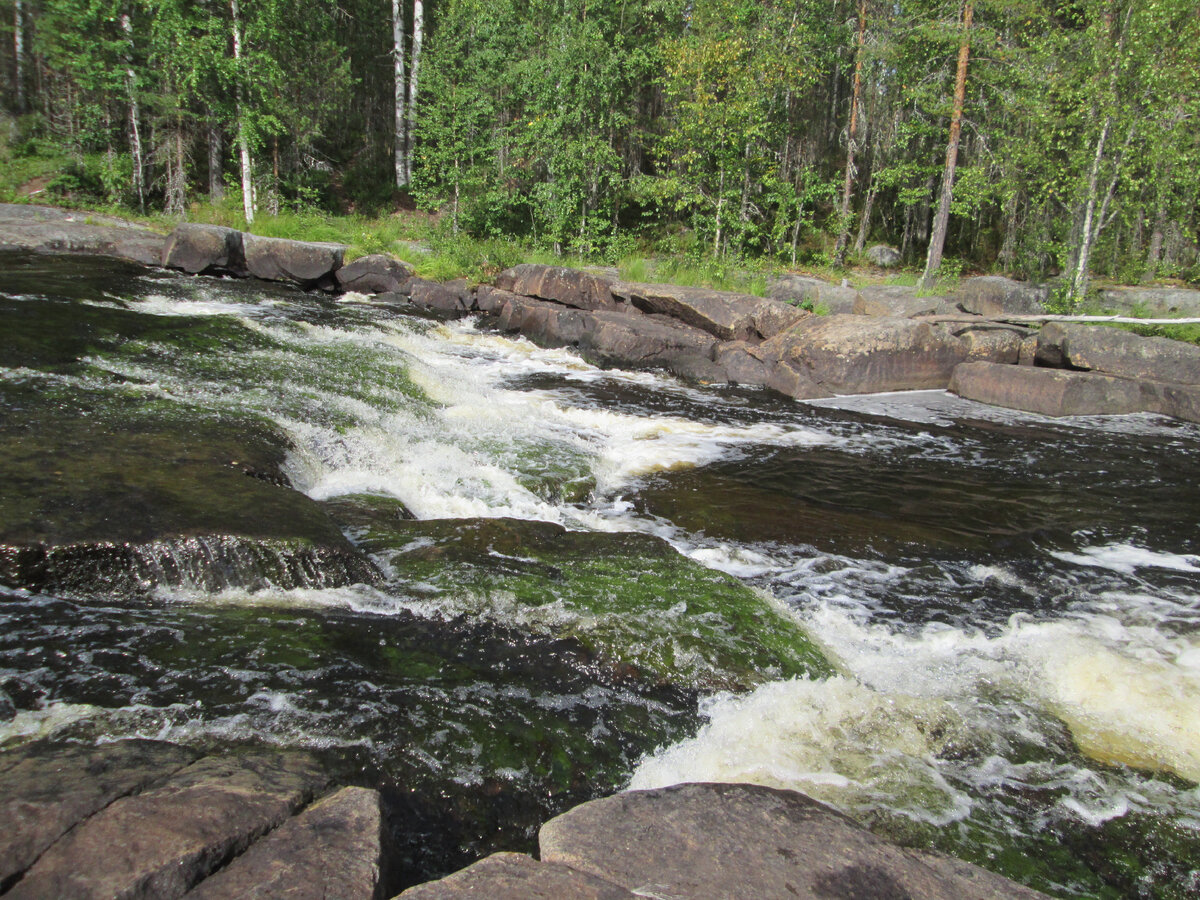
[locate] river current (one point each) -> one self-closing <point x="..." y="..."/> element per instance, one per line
<point x="1009" y="605"/>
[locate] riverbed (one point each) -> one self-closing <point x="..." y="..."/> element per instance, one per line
<point x="969" y="628"/>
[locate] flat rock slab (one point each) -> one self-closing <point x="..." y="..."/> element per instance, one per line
<point x="617" y="339"/>
<point x="46" y="791"/>
<point x="867" y="354"/>
<point x="569" y="287"/>
<point x="331" y="849"/>
<point x="64" y="235"/>
<point x="995" y="295"/>
<point x="894" y="300"/>
<point x="514" y="876"/>
<point x="159" y="843"/>
<point x="831" y="299"/>
<point x="1115" y="351"/>
<point x="723" y="314"/>
<point x="1048" y="392"/>
<point x="306" y="263"/>
<point x="739" y="840"/>
<point x="1156" y="301"/>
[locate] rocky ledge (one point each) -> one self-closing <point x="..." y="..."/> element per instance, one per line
<point x="716" y="840"/>
<point x="155" y="820"/>
<point x="873" y="339"/>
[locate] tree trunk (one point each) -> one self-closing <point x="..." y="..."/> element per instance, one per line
<point x="1154" y="254"/>
<point x="135" y="137"/>
<point x="216" y="184"/>
<point x="243" y="136"/>
<point x="1079" y="280"/>
<point x="839" y="252"/>
<point x="399" y="89"/>
<point x="864" y="223"/>
<point x="937" y="240"/>
<point x="19" y="52"/>
<point x="413" y="83"/>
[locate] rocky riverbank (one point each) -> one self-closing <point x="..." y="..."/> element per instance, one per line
<point x="872" y="339"/>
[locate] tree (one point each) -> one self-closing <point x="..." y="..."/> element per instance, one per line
<point x="933" y="260"/>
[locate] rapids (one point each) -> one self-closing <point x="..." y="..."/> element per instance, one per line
<point x="972" y="629"/>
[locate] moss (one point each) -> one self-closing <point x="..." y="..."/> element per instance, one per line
<point x="630" y="598"/>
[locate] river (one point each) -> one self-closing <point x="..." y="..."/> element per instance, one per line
<point x="594" y="579"/>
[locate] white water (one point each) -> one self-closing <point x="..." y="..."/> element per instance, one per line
<point x="922" y="721"/>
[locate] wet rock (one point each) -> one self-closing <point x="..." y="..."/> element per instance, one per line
<point x="177" y="500"/>
<point x="307" y="263"/>
<point x="8" y="709"/>
<point x="825" y="297"/>
<point x="1117" y="352"/>
<point x="490" y="299"/>
<point x="49" y="790"/>
<point x="884" y="256"/>
<point x="1050" y="392"/>
<point x="439" y="298"/>
<point x="866" y="354"/>
<point x="894" y="300"/>
<point x="613" y="338"/>
<point x="994" y="295"/>
<point x="724" y="315"/>
<point x="738" y="840"/>
<point x="570" y="287"/>
<point x="514" y="876"/>
<point x="377" y="273"/>
<point x="205" y="250"/>
<point x="331" y="849"/>
<point x="160" y="842"/>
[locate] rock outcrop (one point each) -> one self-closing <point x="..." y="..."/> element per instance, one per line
<point x="1117" y="352"/>
<point x="994" y="295"/>
<point x="718" y="840"/>
<point x="306" y="263"/>
<point x="151" y="819"/>
<point x="44" y="229"/>
<point x="205" y="250"/>
<point x="896" y="301"/>
<point x="377" y="273"/>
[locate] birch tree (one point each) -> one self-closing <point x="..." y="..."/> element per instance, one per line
<point x="399" y="94"/>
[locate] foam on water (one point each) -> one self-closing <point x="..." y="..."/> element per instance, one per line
<point x="1128" y="558"/>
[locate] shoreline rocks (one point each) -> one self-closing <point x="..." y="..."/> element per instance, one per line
<point x="875" y="339"/>
<point x="699" y="840"/>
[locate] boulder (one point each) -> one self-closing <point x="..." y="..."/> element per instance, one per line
<point x="45" y="229"/>
<point x="727" y="316"/>
<point x="515" y="876"/>
<point x="1050" y="392"/>
<point x="491" y="300"/>
<point x="867" y="354"/>
<point x="1153" y="301"/>
<point x="160" y="842"/>
<point x="994" y="295"/>
<point x="374" y="274"/>
<point x="205" y="250"/>
<point x="772" y="317"/>
<point x="439" y="298"/>
<point x="331" y="849"/>
<point x="894" y="300"/>
<point x="47" y="791"/>
<point x="612" y="338"/>
<point x="792" y="381"/>
<point x="1118" y="352"/>
<point x="884" y="256"/>
<point x="570" y="287"/>
<point x="741" y="840"/>
<point x="740" y="363"/>
<point x="307" y="263"/>
<point x="798" y="289"/>
<point x="998" y="345"/>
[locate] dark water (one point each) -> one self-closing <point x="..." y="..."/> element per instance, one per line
<point x="1009" y="604"/>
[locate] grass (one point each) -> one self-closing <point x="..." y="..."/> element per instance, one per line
<point x="721" y="275"/>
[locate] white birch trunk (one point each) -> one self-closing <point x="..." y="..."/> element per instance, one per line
<point x="243" y="137"/>
<point x="19" y="51"/>
<point x="1080" y="279"/>
<point x="135" y="137"/>
<point x="413" y="83"/>
<point x="399" y="89"/>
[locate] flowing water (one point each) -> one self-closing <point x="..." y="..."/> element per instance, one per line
<point x="971" y="629"/>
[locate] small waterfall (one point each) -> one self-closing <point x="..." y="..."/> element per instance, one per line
<point x="208" y="563"/>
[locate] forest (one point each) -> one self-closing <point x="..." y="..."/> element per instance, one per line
<point x="1039" y="140"/>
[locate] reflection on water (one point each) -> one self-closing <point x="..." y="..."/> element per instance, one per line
<point x="1012" y="603"/>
